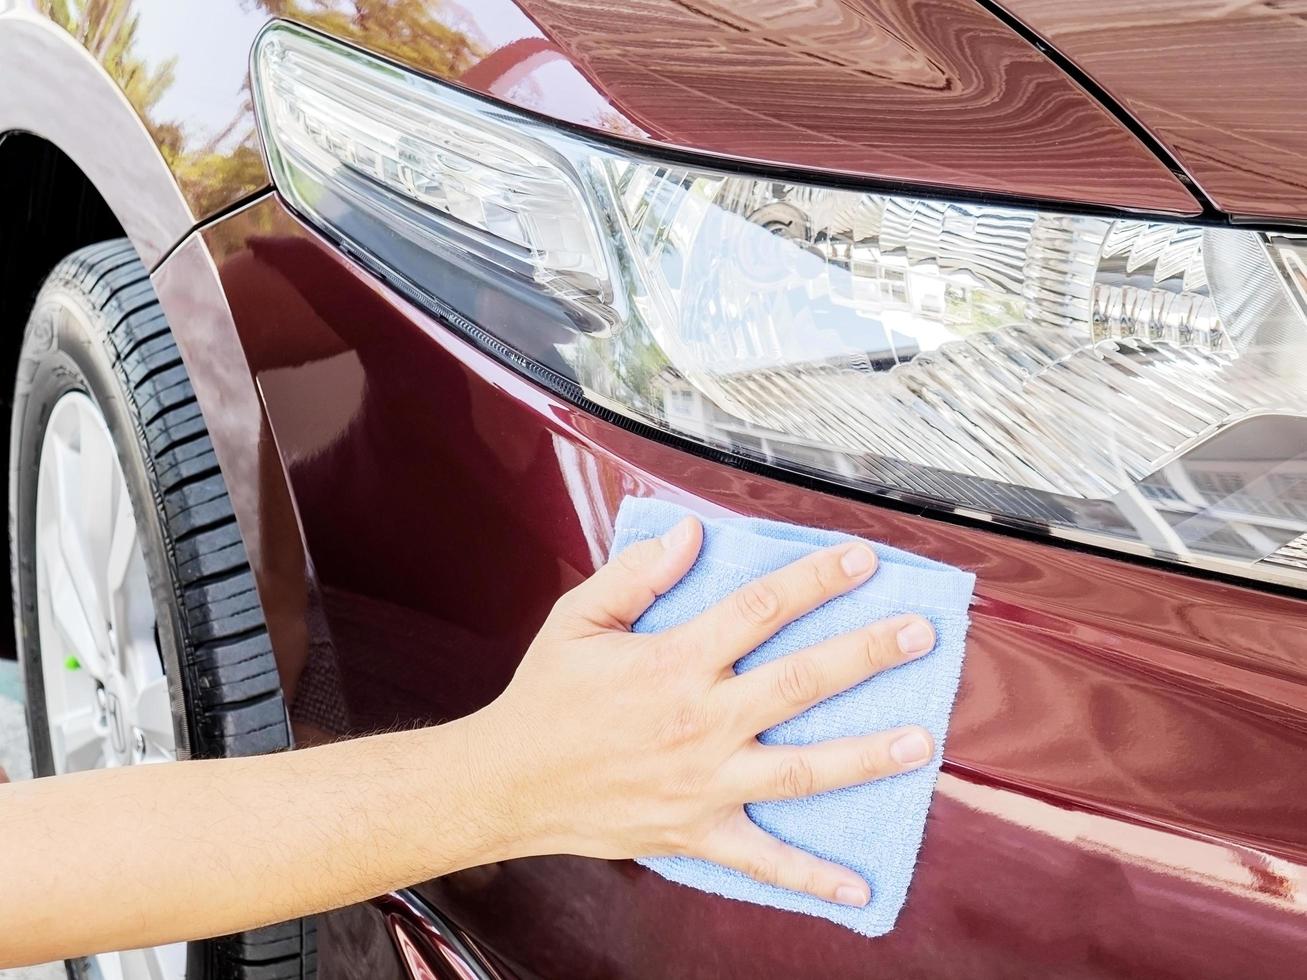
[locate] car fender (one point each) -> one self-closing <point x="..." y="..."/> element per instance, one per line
<point x="98" y="130"/>
<point x="103" y="135"/>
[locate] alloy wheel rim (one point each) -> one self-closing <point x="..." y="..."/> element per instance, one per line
<point x="106" y="694"/>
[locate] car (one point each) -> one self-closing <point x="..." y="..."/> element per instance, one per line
<point x="338" y="331"/>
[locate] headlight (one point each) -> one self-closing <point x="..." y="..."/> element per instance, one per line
<point x="1131" y="382"/>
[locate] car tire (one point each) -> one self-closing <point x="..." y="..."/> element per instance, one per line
<point x="97" y="331"/>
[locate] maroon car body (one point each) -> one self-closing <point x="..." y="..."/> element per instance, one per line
<point x="1123" y="792"/>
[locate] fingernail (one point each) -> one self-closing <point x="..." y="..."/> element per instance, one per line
<point x="678" y="535"/>
<point x="857" y="561"/>
<point x="916" y="638"/>
<point x="852" y="895"/>
<point x="910" y="749"/>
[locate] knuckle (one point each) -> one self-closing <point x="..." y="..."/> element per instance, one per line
<point x="797" y="682"/>
<point x="681" y="795"/>
<point x="795" y="777"/>
<point x="873" y="760"/>
<point x="673" y="661"/>
<point x="658" y="663"/>
<point x="814" y="883"/>
<point x="758" y="603"/>
<point x="680" y="839"/>
<point x="654" y="675"/>
<point x="674" y="648"/>
<point x="822" y="576"/>
<point x="877" y="651"/>
<point x="563" y="606"/>
<point x="688" y="723"/>
<point x="565" y="614"/>
<point x="762" y="869"/>
<point x="634" y="558"/>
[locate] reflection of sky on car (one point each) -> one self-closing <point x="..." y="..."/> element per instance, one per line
<point x="207" y="93"/>
<point x="527" y="69"/>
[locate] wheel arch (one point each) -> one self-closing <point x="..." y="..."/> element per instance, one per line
<point x="78" y="171"/>
<point x="98" y="130"/>
<point x="73" y="171"/>
<point x="48" y="209"/>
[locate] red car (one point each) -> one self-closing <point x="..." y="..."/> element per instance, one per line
<point x="338" y="331"/>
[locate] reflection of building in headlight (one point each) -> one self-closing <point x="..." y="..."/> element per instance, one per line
<point x="1073" y="375"/>
<point x="1241" y="493"/>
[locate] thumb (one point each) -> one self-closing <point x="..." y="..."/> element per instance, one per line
<point x="619" y="592"/>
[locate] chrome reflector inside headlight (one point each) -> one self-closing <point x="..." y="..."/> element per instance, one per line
<point x="1139" y="383"/>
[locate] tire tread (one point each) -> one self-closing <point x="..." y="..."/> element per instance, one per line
<point x="238" y="708"/>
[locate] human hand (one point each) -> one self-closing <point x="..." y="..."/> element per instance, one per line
<point x="614" y="745"/>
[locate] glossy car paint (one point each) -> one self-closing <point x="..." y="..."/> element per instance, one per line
<point x="934" y="92"/>
<point x="1220" y="83"/>
<point x="1122" y="792"/>
<point x="189" y="289"/>
<point x="181" y="67"/>
<point x="924" y="92"/>
<point x="99" y="131"/>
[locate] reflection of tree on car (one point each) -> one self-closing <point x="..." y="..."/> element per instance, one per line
<point x="223" y="162"/>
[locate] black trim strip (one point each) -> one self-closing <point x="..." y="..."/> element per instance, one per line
<point x="1108" y="102"/>
<point x="226" y="211"/>
<point x="671" y="154"/>
<point x="887" y="497"/>
<point x="657" y="152"/>
<point x="568" y="390"/>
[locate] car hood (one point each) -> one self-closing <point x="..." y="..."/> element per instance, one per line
<point x="1218" y="82"/>
<point x="936" y="93"/>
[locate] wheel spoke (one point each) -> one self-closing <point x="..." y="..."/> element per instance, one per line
<point x="78" y="742"/>
<point x="73" y="540"/>
<point x="97" y="492"/>
<point x="122" y="544"/>
<point x="131" y="606"/>
<point x="71" y="617"/>
<point x="152" y="714"/>
<point x="157" y="963"/>
<point x="110" y="966"/>
<point x="107" y="967"/>
<point x="106" y="693"/>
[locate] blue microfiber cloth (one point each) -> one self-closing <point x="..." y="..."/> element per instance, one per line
<point x="875" y="828"/>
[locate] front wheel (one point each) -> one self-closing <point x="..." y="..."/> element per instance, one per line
<point x="139" y="629"/>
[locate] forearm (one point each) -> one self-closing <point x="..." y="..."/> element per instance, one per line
<point x="606" y="743"/>
<point x="137" y="857"/>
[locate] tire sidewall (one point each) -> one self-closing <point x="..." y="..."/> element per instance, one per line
<point x="66" y="349"/>
<point x="97" y="328"/>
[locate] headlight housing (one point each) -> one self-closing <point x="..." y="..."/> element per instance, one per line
<point x="1131" y="382"/>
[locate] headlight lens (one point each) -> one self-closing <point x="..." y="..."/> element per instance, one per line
<point x="1136" y="382"/>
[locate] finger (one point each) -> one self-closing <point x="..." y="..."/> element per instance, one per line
<point x="787" y="772"/>
<point x="619" y="592"/>
<point x="745" y="619"/>
<point x="742" y="845"/>
<point x="773" y="692"/>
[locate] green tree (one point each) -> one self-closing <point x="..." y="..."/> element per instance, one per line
<point x="417" y="32"/>
<point x="215" y="169"/>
